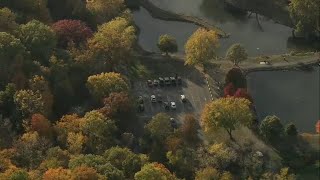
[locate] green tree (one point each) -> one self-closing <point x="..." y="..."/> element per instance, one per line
<point x="99" y="130"/>
<point x="39" y="39"/>
<point x="101" y="85"/>
<point x="236" y="54"/>
<point x="19" y="175"/>
<point x="167" y="44"/>
<point x="154" y="171"/>
<point x="97" y="162"/>
<point x="184" y="162"/>
<point x="271" y="129"/>
<point x="125" y="160"/>
<point x="291" y="130"/>
<point x="201" y="47"/>
<point x="11" y="50"/>
<point x="306" y="15"/>
<point x="7" y="20"/>
<point x="227" y="113"/>
<point x="160" y="127"/>
<point x="29" y="102"/>
<point x="113" y="43"/>
<point x="105" y="10"/>
<point x="6" y="100"/>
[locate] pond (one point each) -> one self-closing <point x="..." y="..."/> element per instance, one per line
<point x="293" y="96"/>
<point x="270" y="38"/>
<point x="151" y="29"/>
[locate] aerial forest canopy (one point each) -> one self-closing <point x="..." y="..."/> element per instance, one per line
<point x="75" y="97"/>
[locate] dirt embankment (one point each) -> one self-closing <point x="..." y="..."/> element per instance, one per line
<point x="169" y="16"/>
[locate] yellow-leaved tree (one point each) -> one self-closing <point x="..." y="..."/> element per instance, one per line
<point x="227" y="113"/>
<point x="201" y="46"/>
<point x="113" y="43"/>
<point x="102" y="85"/>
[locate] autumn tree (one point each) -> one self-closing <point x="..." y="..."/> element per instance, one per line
<point x="210" y="173"/>
<point x="30" y="150"/>
<point x="227" y="113"/>
<point x="105" y="10"/>
<point x="29" y="102"/>
<point x="113" y="43"/>
<point x="229" y="90"/>
<point x="67" y="124"/>
<point x="7" y="20"/>
<point x="117" y="103"/>
<point x="271" y="128"/>
<point x="189" y="130"/>
<point x="99" y="130"/>
<point x="97" y="162"/>
<point x="243" y="93"/>
<point x="38" y="38"/>
<point x="55" y="157"/>
<point x="201" y="47"/>
<point x="236" y="54"/>
<point x="41" y="125"/>
<point x="57" y="174"/>
<point x="41" y="85"/>
<point x="306" y="16"/>
<point x="183" y="161"/>
<point x="154" y="171"/>
<point x="76" y="142"/>
<point x="237" y="78"/>
<point x="101" y="85"/>
<point x="84" y="173"/>
<point x="74" y="31"/>
<point x="167" y="44"/>
<point x="125" y="160"/>
<point x="224" y="156"/>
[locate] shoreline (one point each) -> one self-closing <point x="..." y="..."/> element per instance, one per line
<point x="161" y="14"/>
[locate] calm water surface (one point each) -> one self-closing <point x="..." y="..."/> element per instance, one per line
<point x="293" y="96"/>
<point x="151" y="29"/>
<point x="272" y="39"/>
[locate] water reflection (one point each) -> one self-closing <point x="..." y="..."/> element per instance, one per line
<point x="151" y="29"/>
<point x="272" y="39"/>
<point x="292" y="96"/>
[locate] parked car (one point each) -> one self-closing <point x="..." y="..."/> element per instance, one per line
<point x="153" y="98"/>
<point x="173" y="80"/>
<point x="156" y="82"/>
<point x="167" y="81"/>
<point x="166" y="106"/>
<point x="174" y="123"/>
<point x="149" y="83"/>
<point x="183" y="98"/>
<point x="159" y="98"/>
<point x="173" y="105"/>
<point x="161" y="81"/>
<point x="179" y="80"/>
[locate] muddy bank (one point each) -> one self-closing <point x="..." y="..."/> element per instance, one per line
<point x="169" y="16"/>
<point x="303" y="65"/>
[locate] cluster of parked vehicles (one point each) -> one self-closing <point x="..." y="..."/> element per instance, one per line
<point x="165" y="81"/>
<point x="158" y="98"/>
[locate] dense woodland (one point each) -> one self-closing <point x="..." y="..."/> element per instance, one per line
<point x="67" y="112"/>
